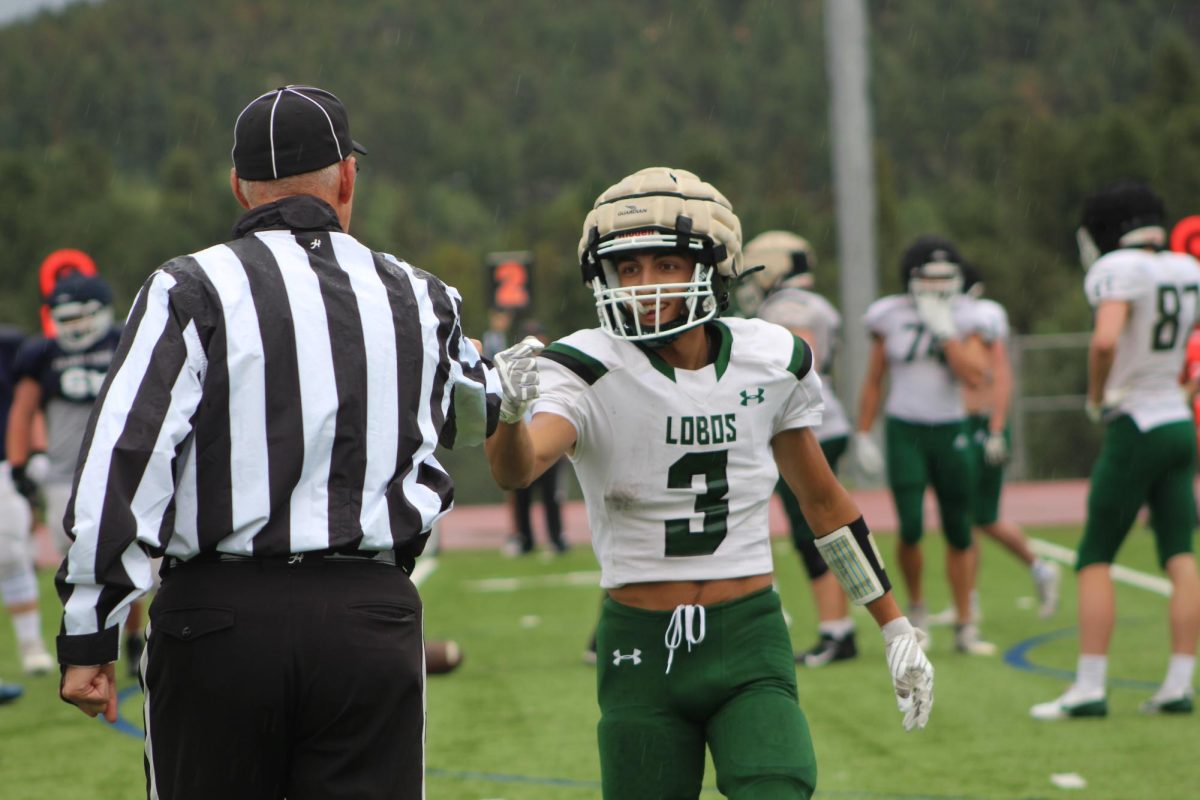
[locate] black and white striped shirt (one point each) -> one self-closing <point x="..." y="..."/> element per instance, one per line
<point x="280" y="393"/>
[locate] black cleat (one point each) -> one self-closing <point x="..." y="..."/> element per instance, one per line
<point x="829" y="649"/>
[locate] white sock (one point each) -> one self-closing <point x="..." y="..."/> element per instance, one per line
<point x="1091" y="672"/>
<point x="837" y="628"/>
<point x="28" y="627"/>
<point x="1179" y="673"/>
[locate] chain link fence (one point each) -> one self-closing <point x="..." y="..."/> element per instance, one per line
<point x="1052" y="438"/>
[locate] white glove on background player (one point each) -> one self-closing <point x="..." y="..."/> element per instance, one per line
<point x="995" y="449"/>
<point x="933" y="307"/>
<point x="867" y="454"/>
<point x="912" y="674"/>
<point x="518" y="372"/>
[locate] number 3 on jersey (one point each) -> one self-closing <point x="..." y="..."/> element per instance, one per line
<point x="712" y="503"/>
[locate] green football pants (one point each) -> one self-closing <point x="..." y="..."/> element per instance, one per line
<point x="987" y="479"/>
<point x="735" y="691"/>
<point x="1137" y="467"/>
<point x="919" y="455"/>
<point x="802" y="535"/>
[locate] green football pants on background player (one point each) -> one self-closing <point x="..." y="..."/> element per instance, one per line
<point x="920" y="455"/>
<point x="1155" y="468"/>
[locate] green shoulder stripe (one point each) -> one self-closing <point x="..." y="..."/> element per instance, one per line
<point x="587" y="368"/>
<point x="802" y="358"/>
<point x="726" y="337"/>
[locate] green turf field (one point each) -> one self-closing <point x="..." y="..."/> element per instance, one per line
<point x="517" y="721"/>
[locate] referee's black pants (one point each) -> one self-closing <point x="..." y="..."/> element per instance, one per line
<point x="267" y="680"/>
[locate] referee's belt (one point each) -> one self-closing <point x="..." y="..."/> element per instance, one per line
<point x="386" y="557"/>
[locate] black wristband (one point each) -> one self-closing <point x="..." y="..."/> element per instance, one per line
<point x="862" y="535"/>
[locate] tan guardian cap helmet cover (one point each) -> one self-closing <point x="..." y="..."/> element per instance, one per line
<point x="672" y="210"/>
<point x="784" y="257"/>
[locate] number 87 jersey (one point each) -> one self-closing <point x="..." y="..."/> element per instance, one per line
<point x="676" y="465"/>
<point x="1162" y="289"/>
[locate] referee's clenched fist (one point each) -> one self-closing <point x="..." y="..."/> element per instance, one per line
<point x="268" y="429"/>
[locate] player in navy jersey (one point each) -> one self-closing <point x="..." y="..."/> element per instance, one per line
<point x="62" y="376"/>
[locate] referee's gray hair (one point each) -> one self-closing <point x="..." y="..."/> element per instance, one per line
<point x="319" y="182"/>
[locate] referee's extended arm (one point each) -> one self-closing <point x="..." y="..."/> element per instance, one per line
<point x="124" y="482"/>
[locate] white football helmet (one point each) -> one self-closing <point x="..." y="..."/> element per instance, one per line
<point x="81" y="307"/>
<point x="660" y="209"/>
<point x="932" y="266"/>
<point x="786" y="260"/>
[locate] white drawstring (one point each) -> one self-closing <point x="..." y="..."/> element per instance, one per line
<point x="683" y="627"/>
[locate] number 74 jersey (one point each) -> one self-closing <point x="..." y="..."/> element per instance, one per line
<point x="1162" y="290"/>
<point x="676" y="466"/>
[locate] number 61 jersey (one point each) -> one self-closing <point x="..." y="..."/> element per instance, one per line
<point x="676" y="465"/>
<point x="70" y="383"/>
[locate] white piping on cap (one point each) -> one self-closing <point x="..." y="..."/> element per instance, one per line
<point x="328" y="119"/>
<point x="271" y="135"/>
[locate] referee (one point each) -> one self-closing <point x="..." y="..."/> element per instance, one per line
<point x="268" y="428"/>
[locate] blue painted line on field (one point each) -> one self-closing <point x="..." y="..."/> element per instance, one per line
<point x="1017" y="657"/>
<point x="126" y="727"/>
<point x="123" y="725"/>
<point x="594" y="786"/>
<point x="567" y="783"/>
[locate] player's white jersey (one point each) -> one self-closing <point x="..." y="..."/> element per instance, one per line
<point x="923" y="388"/>
<point x="993" y="320"/>
<point x="1161" y="289"/>
<point x="676" y="465"/>
<point x="796" y="309"/>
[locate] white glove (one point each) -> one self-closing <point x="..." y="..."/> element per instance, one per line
<point x="934" y="307"/>
<point x="517" y="368"/>
<point x="866" y="452"/>
<point x="995" y="449"/>
<point x="1094" y="411"/>
<point x="912" y="674"/>
<point x="38" y="468"/>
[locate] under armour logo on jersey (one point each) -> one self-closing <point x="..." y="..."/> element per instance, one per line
<point x="747" y="397"/>
<point x="635" y="657"/>
<point x="315" y="244"/>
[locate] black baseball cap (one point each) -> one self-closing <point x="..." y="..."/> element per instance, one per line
<point x="289" y="131"/>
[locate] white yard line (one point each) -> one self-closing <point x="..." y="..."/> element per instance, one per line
<point x="1132" y="577"/>
<point x="425" y="567"/>
<point x="587" y="579"/>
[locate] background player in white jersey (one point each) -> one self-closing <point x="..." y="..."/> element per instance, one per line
<point x="1145" y="300"/>
<point x="926" y="342"/>
<point x="18" y="582"/>
<point x="678" y="425"/>
<point x="786" y="280"/>
<point x="61" y="377"/>
<point x="987" y="426"/>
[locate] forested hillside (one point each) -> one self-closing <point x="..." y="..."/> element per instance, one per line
<point x="492" y="124"/>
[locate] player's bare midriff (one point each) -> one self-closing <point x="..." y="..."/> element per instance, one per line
<point x="666" y="595"/>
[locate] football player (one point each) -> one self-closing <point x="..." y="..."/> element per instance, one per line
<point x="927" y="343"/>
<point x="61" y="377"/>
<point x="987" y="426"/>
<point x="18" y="581"/>
<point x="1145" y="301"/>
<point x="678" y="424"/>
<point x="786" y="281"/>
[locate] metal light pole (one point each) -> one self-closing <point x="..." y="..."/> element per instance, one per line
<point x="854" y="183"/>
